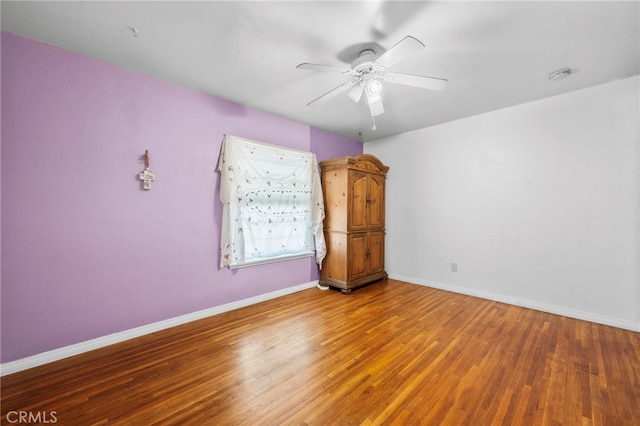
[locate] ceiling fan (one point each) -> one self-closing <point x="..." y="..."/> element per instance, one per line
<point x="369" y="70"/>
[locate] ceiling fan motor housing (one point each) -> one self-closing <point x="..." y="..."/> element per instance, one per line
<point x="365" y="62"/>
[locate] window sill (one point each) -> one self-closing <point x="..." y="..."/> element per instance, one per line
<point x="265" y="261"/>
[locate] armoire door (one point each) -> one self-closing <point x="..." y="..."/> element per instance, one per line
<point x="359" y="198"/>
<point x="358" y="261"/>
<point x="375" y="254"/>
<point x="375" y="202"/>
<point x="367" y="201"/>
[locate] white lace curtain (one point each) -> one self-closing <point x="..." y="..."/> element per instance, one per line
<point x="272" y="203"/>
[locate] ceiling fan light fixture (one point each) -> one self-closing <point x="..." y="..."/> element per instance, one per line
<point x="356" y="93"/>
<point x="374" y="88"/>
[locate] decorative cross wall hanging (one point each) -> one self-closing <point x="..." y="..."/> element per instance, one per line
<point x="146" y="176"/>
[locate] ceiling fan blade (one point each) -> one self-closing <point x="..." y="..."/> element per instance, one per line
<point x="375" y="105"/>
<point x="431" y="83"/>
<point x="402" y="50"/>
<point x="323" y="68"/>
<point x="333" y="92"/>
<point x="356" y="92"/>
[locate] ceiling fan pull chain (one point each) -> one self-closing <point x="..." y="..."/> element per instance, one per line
<point x="374" y="122"/>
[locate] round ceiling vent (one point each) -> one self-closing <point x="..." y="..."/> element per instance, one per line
<point x="560" y="74"/>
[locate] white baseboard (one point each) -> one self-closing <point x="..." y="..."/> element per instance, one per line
<point x="89" y="345"/>
<point x="552" y="309"/>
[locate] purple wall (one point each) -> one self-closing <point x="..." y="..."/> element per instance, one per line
<point x="85" y="251"/>
<point x="327" y="145"/>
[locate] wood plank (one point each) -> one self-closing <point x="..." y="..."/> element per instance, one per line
<point x="389" y="353"/>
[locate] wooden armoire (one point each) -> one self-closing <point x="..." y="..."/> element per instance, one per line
<point x="354" y="231"/>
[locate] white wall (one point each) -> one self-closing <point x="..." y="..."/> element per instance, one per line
<point x="538" y="204"/>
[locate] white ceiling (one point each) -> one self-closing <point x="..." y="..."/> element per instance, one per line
<point x="494" y="54"/>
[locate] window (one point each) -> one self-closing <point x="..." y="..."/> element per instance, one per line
<point x="272" y="203"/>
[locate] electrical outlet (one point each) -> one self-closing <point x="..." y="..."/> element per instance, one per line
<point x="454" y="267"/>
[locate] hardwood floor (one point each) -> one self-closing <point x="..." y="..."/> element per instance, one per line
<point x="389" y="353"/>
